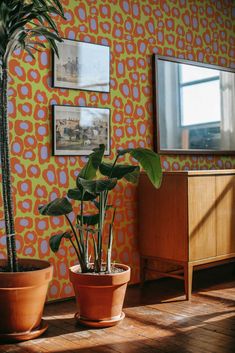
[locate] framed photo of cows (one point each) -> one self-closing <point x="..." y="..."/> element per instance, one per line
<point x="77" y="130"/>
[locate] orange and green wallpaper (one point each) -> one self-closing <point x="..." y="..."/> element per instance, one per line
<point x="201" y="30"/>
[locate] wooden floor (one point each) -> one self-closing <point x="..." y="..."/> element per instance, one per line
<point x="158" y="319"/>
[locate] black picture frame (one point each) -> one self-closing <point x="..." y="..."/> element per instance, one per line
<point x="77" y="130"/>
<point x="81" y="65"/>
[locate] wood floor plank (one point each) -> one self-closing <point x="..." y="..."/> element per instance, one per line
<point x="158" y="320"/>
<point x="172" y="335"/>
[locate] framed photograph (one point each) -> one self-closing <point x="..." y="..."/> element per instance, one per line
<point x="82" y="65"/>
<point x="77" y="130"/>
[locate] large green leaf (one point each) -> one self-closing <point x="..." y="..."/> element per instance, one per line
<point x="97" y="186"/>
<point x="76" y="194"/>
<point x="149" y="161"/>
<point x="89" y="170"/>
<point x="89" y="220"/>
<point x="57" y="207"/>
<point x="55" y="240"/>
<point x="118" y="171"/>
<point x="20" y="21"/>
<point x="133" y="177"/>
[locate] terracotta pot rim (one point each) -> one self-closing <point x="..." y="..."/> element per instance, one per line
<point x="125" y="267"/>
<point x="25" y="260"/>
<point x="23" y="279"/>
<point x="99" y="280"/>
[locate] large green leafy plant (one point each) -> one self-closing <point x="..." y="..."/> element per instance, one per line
<point x="21" y="23"/>
<point x="93" y="185"/>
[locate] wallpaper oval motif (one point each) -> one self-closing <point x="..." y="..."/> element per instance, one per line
<point x="196" y="30"/>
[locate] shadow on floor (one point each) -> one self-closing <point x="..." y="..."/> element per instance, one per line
<point x="146" y="332"/>
<point x="168" y="289"/>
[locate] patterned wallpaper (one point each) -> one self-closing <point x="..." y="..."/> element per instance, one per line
<point x="201" y="30"/>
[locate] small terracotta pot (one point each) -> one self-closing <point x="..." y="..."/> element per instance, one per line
<point x="22" y="299"/>
<point x="100" y="297"/>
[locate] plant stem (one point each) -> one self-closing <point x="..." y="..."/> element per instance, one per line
<point x="79" y="254"/>
<point x="110" y="244"/>
<point x="81" y="230"/>
<point x="109" y="248"/>
<point x="87" y="248"/>
<point x="102" y="206"/>
<point x="96" y="265"/>
<point x="6" y="175"/>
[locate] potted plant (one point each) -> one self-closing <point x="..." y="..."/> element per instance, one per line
<point x="23" y="283"/>
<point x="98" y="283"/>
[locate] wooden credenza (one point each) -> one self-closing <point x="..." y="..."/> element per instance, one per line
<point x="189" y="221"/>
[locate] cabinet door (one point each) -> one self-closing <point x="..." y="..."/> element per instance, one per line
<point x="201" y="210"/>
<point x="225" y="214"/>
<point x="162" y="217"/>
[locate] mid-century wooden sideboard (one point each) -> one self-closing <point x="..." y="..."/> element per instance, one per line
<point x="189" y="221"/>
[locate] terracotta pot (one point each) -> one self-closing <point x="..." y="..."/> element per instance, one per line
<point x="99" y="297"/>
<point x="22" y="299"/>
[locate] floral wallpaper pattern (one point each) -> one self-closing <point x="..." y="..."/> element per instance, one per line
<point x="201" y="30"/>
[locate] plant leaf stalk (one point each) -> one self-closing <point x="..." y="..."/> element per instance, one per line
<point x="110" y="238"/>
<point x="78" y="251"/>
<point x="110" y="244"/>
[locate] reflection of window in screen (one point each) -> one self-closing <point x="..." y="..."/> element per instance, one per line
<point x="199" y="94"/>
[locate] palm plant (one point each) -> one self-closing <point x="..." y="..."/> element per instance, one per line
<point x="21" y="23"/>
<point x="92" y="189"/>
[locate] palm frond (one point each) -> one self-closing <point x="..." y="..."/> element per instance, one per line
<point x="29" y="51"/>
<point x="21" y="21"/>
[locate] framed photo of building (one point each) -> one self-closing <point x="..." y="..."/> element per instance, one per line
<point x="77" y="130"/>
<point x="81" y="65"/>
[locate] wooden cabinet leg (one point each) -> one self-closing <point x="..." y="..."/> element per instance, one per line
<point x="143" y="265"/>
<point x="188" y="279"/>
